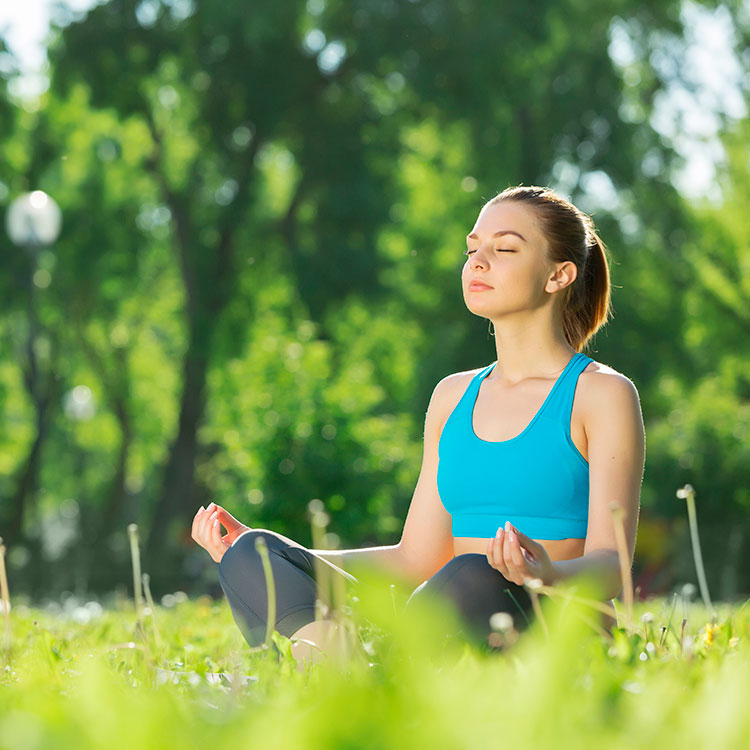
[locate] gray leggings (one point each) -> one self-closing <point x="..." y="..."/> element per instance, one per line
<point x="468" y="581"/>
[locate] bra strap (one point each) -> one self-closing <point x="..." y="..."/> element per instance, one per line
<point x="560" y="406"/>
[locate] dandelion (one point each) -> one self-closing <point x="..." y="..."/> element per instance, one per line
<point x="682" y="631"/>
<point x="319" y="521"/>
<point x="262" y="549"/>
<point x="688" y="591"/>
<point x="145" y="578"/>
<point x="5" y="597"/>
<point x="501" y="621"/>
<point x="533" y="585"/>
<point x="503" y="632"/>
<point x="135" y="556"/>
<point x="663" y="635"/>
<point x="647" y="619"/>
<point x="687" y="493"/>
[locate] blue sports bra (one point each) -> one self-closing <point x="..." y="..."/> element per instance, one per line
<point x="538" y="480"/>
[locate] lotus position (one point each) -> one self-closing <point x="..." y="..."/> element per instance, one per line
<point x="524" y="458"/>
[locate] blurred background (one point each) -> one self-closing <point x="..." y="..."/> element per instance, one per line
<point x="231" y="244"/>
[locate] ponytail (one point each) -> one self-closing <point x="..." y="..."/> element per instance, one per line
<point x="588" y="305"/>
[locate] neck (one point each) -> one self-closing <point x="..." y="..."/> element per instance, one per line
<point x="523" y="352"/>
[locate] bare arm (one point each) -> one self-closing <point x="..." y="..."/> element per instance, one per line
<point x="427" y="541"/>
<point x="617" y="453"/>
<point x="389" y="557"/>
<point x="603" y="564"/>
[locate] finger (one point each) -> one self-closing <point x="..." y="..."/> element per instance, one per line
<point x="207" y="541"/>
<point x="209" y="523"/>
<point x="198" y="525"/>
<point x="508" y="559"/>
<point x="195" y="521"/>
<point x="200" y="522"/>
<point x="216" y="543"/>
<point x="497" y="550"/>
<point x="516" y="555"/>
<point x="227" y="519"/>
<point x="513" y="558"/>
<point x="491" y="551"/>
<point x="204" y="525"/>
<point x="529" y="548"/>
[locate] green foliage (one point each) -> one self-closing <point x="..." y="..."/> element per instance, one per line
<point x="258" y="273"/>
<point x="81" y="677"/>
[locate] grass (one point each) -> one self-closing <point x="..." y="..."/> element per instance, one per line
<point x="671" y="673"/>
<point x="86" y="676"/>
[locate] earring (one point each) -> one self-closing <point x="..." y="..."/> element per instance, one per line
<point x="492" y="332"/>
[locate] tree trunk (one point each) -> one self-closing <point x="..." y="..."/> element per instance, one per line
<point x="28" y="476"/>
<point x="175" y="501"/>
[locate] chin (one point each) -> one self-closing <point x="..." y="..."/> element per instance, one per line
<point x="472" y="304"/>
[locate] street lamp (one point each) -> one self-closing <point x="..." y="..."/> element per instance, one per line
<point x="33" y="220"/>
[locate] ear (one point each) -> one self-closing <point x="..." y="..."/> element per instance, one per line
<point x="564" y="275"/>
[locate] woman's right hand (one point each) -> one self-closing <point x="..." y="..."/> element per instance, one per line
<point x="206" y="530"/>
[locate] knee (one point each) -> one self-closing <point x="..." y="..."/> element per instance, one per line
<point x="416" y="594"/>
<point x="457" y="574"/>
<point x="435" y="591"/>
<point x="242" y="553"/>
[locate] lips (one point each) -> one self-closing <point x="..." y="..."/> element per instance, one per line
<point x="478" y="285"/>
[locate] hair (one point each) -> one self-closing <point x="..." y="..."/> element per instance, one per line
<point x="571" y="236"/>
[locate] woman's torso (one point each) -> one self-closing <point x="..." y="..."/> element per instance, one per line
<point x="504" y="413"/>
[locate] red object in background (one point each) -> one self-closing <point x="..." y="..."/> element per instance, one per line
<point x="653" y="580"/>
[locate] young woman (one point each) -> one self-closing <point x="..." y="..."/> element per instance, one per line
<point x="523" y="458"/>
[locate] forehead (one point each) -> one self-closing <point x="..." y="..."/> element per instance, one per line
<point x="507" y="215"/>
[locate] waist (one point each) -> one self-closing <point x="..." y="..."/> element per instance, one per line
<point x="537" y="527"/>
<point x="557" y="549"/>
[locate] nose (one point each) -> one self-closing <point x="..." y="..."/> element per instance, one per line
<point x="477" y="259"/>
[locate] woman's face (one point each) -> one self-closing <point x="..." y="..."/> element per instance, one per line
<point x="513" y="265"/>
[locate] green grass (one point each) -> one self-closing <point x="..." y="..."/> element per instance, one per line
<point x="95" y="684"/>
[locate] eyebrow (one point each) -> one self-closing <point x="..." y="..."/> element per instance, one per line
<point x="474" y="236"/>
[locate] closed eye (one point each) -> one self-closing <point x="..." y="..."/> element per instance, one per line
<point x="498" y="249"/>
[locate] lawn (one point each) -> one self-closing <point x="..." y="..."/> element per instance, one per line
<point x="91" y="675"/>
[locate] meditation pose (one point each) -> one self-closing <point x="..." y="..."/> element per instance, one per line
<point x="527" y="461"/>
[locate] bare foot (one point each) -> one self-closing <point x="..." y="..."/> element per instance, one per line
<point x="319" y="640"/>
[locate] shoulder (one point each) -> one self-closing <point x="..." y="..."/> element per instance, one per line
<point x="448" y="391"/>
<point x="605" y="391"/>
<point x="456" y="383"/>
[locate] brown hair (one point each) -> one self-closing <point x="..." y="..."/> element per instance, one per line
<point x="571" y="236"/>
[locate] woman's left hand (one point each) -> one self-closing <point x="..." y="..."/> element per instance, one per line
<point x="518" y="557"/>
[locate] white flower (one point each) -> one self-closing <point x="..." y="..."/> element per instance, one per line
<point x="501" y="621"/>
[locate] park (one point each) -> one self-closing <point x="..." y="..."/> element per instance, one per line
<point x="247" y="263"/>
